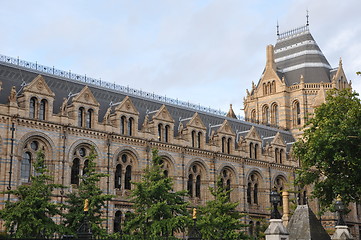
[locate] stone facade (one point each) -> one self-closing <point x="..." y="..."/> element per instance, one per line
<point x="64" y="116"/>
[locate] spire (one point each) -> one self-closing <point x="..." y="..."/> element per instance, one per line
<point x="230" y="113"/>
<point x="307" y="16"/>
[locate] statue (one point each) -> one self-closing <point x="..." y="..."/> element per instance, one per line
<point x="63" y="107"/>
<point x="194" y="213"/>
<point x="12" y="97"/>
<point x="86" y="205"/>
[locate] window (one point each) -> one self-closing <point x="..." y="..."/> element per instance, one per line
<point x="279" y="184"/>
<point x="276" y="155"/>
<point x="193" y="138"/>
<point x="42" y="110"/>
<point x="25" y="167"/>
<point x="274" y="114"/>
<point x="130" y="126"/>
<point x="123" y="172"/>
<point x="80" y="163"/>
<point x="160" y="130"/>
<point x="165" y="165"/>
<point x="253" y="115"/>
<point x="128" y="177"/>
<point x="226" y="179"/>
<point x="229" y="142"/>
<point x="199" y="139"/>
<point x="281" y="156"/>
<point x="255" y="151"/>
<point x="32" y="107"/>
<point x="122" y="125"/>
<point x="81" y="117"/>
<point x="265" y="115"/>
<point x="117" y="221"/>
<point x="253" y="188"/>
<point x="89" y="118"/>
<point x="166" y="133"/>
<point x="29" y="153"/>
<point x="250" y="150"/>
<point x="194" y="181"/>
<point x="296" y="113"/>
<point x="223" y="144"/>
<point x="118" y="176"/>
<point x="273" y="84"/>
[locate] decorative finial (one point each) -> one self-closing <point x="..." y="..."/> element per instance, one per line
<point x="278" y="29"/>
<point x="86" y="205"/>
<point x="307" y="16"/>
<point x="194" y="213"/>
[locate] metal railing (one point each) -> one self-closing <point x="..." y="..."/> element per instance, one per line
<point x="98" y="82"/>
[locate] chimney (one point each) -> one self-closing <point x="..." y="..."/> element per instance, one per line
<point x="270" y="58"/>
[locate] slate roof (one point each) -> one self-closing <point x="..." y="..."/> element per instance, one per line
<point x="297" y="53"/>
<point x="14" y="75"/>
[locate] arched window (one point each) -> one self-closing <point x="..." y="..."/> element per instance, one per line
<point x="123" y="171"/>
<point x="166" y="133"/>
<point x="190" y="185"/>
<point x="25" y="167"/>
<point x="279" y="184"/>
<point x="253" y="188"/>
<point x="276" y="155"/>
<point x="117" y="221"/>
<point x="80" y="162"/>
<point x="265" y="114"/>
<point x="258" y="228"/>
<point x="85" y="168"/>
<point x="81" y="117"/>
<point x="42" y="110"/>
<point x="32" y="107"/>
<point x="122" y="125"/>
<point x="130" y="126"/>
<point x="250" y="228"/>
<point x="165" y="165"/>
<point x="160" y="130"/>
<point x="255" y="193"/>
<point x="281" y="156"/>
<point x="255" y="151"/>
<point x="274" y="114"/>
<point x="194" y="181"/>
<point x="128" y="177"/>
<point x="75" y="170"/>
<point x="273" y="86"/>
<point x="193" y="138"/>
<point x="229" y="143"/>
<point x="253" y="115"/>
<point x="226" y="178"/>
<point x="250" y="150"/>
<point x="223" y="144"/>
<point x="296" y="113"/>
<point x="89" y="118"/>
<point x="28" y="154"/>
<point x="118" y="176"/>
<point x="198" y="186"/>
<point x="269" y="87"/>
<point x="264" y="89"/>
<point x="199" y="139"/>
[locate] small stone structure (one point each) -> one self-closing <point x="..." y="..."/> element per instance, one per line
<point x="276" y="230"/>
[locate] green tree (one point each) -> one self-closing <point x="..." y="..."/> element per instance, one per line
<point x="31" y="215"/>
<point x="219" y="218"/>
<point x="87" y="189"/>
<point x="330" y="150"/>
<point x="159" y="211"/>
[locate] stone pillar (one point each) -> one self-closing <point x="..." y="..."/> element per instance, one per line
<point x="276" y="230"/>
<point x="286" y="211"/>
<point x="342" y="233"/>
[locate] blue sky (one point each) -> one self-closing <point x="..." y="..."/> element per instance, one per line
<point x="206" y="52"/>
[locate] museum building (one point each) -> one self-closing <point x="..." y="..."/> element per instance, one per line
<point x="65" y="114"/>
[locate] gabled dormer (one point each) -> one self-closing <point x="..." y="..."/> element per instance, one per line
<point x="37" y="99"/>
<point x="339" y="80"/>
<point x="83" y="108"/>
<point x="254" y="141"/>
<point x="224" y="137"/>
<point x="279" y="147"/>
<point x="193" y="131"/>
<point x="161" y="124"/>
<point x="125" y="117"/>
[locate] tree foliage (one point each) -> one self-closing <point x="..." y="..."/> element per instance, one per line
<point x="330" y="151"/>
<point x="158" y="210"/>
<point x="31" y="215"/>
<point x="219" y="218"/>
<point x="87" y="189"/>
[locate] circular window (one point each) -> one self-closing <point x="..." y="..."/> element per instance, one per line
<point x="194" y="168"/>
<point x="34" y="145"/>
<point x="82" y="152"/>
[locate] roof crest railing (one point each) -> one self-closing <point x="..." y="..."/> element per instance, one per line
<point x="98" y="82"/>
<point x="293" y="32"/>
